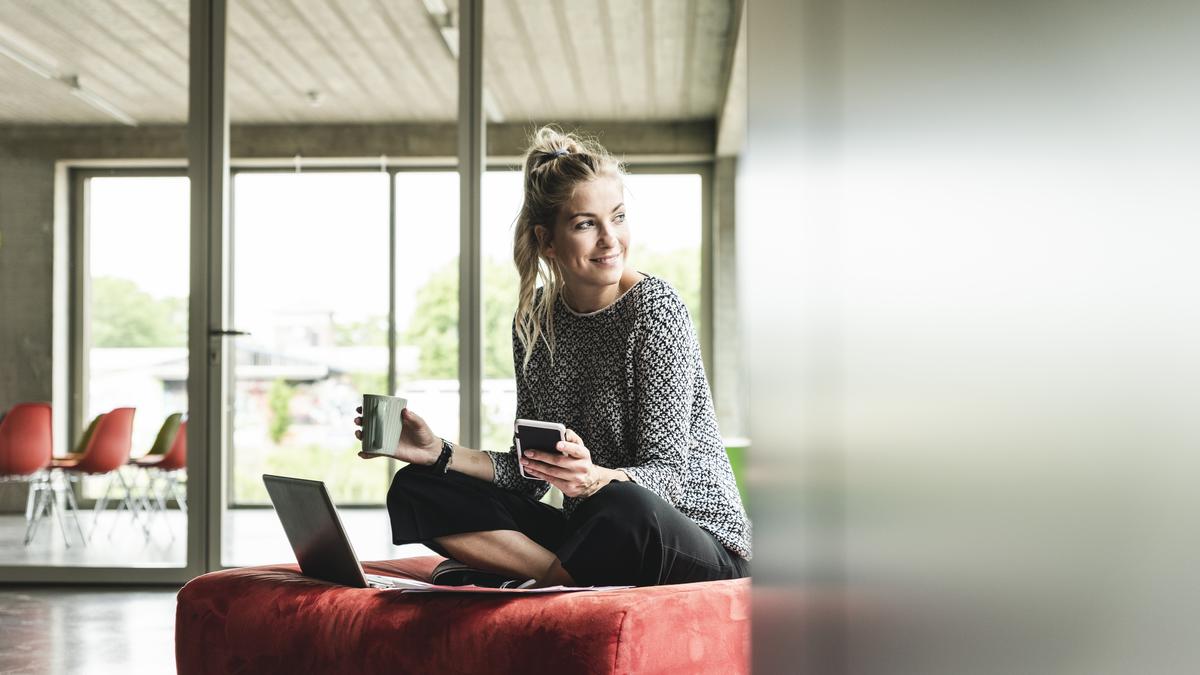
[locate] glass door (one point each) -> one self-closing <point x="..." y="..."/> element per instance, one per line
<point x="310" y="287"/>
<point x="311" y="252"/>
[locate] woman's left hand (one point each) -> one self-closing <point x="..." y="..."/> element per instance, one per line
<point x="570" y="470"/>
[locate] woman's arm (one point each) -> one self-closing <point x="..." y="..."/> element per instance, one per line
<point x="668" y="362"/>
<point x="473" y="463"/>
<point x="570" y="468"/>
<point x="504" y="464"/>
<point x="419" y="445"/>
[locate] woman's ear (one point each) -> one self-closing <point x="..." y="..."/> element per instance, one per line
<point x="545" y="243"/>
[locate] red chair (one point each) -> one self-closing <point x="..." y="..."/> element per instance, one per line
<point x="26" y="447"/>
<point x="106" y="452"/>
<point x="167" y="467"/>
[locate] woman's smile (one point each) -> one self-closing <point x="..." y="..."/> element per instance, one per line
<point x="608" y="260"/>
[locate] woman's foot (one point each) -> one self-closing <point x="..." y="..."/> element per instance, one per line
<point x="454" y="573"/>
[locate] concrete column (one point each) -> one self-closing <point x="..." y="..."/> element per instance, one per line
<point x="729" y="392"/>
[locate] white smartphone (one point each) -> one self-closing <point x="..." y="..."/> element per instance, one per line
<point x="535" y="435"/>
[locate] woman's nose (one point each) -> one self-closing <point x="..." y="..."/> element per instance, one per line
<point x="604" y="234"/>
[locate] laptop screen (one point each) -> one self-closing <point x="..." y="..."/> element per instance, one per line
<point x="314" y="530"/>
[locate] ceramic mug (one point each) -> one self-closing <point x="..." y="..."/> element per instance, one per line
<point x="381" y="423"/>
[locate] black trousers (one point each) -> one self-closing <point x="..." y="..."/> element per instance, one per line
<point x="622" y="535"/>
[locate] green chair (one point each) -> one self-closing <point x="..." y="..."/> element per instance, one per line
<point x="82" y="443"/>
<point x="145" y="466"/>
<point x="166" y="435"/>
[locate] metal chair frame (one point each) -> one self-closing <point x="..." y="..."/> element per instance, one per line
<point x="45" y="493"/>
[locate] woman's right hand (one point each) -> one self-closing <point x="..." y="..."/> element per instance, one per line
<point x="418" y="444"/>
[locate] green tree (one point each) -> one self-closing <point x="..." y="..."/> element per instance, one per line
<point x="434" y="325"/>
<point x="681" y="269"/>
<point x="123" y="315"/>
<point x="279" y="400"/>
<point x="370" y="332"/>
<point x="369" y="383"/>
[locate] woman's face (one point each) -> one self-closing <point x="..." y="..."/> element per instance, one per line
<point x="591" y="237"/>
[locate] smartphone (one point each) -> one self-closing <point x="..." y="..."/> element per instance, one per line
<point x="535" y="435"/>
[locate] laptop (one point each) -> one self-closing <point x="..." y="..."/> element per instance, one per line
<point x="317" y="537"/>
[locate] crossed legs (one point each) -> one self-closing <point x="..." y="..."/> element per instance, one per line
<point x="507" y="552"/>
<point x="488" y="528"/>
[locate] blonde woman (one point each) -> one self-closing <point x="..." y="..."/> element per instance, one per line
<point x="611" y="353"/>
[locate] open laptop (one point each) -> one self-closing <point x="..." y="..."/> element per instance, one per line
<point x="318" y="538"/>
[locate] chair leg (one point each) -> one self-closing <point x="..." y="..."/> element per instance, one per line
<point x="56" y="511"/>
<point x="144" y="493"/>
<point x="33" y="490"/>
<point x="101" y="504"/>
<point x="36" y="485"/>
<point x="129" y="503"/>
<point x="160" y="501"/>
<point x="38" y="511"/>
<point x="155" y="489"/>
<point x="147" y="499"/>
<point x="177" y="491"/>
<point x="149" y="491"/>
<point x="73" y="507"/>
<point x="137" y="504"/>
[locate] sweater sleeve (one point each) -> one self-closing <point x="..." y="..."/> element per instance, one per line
<point x="664" y="377"/>
<point x="504" y="464"/>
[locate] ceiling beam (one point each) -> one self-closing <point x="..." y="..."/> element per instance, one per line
<point x="731" y="120"/>
<point x="401" y="140"/>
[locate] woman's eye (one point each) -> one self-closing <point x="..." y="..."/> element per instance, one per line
<point x="620" y="218"/>
<point x="583" y="224"/>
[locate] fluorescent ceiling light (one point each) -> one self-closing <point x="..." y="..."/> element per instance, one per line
<point x="97" y="101"/>
<point x="19" y="49"/>
<point x="437" y="8"/>
<point x="71" y="81"/>
<point x="446" y="24"/>
<point x="29" y="63"/>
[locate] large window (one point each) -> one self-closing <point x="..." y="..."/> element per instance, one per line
<point x="311" y="268"/>
<point x="427" y="337"/>
<point x="329" y="264"/>
<point x="310" y="286"/>
<point x="136" y="314"/>
<point x="131" y="302"/>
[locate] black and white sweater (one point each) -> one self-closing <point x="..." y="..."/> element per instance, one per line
<point x="630" y="381"/>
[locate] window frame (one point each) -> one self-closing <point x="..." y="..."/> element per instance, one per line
<point x="80" y="237"/>
<point x="79" y="270"/>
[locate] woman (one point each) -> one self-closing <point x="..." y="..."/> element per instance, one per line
<point x="649" y="496"/>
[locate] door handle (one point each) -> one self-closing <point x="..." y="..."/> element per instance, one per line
<point x="220" y="332"/>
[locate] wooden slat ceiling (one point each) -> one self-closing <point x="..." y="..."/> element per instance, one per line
<point x="309" y="61"/>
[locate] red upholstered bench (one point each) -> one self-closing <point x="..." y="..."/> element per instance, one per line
<point x="273" y="620"/>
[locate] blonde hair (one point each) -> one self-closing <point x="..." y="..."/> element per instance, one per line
<point x="555" y="164"/>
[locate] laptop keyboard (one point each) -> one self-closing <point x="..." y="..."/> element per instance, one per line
<point x="381" y="581"/>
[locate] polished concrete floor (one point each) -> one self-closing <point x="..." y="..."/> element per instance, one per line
<point x="63" y="629"/>
<point x="67" y="630"/>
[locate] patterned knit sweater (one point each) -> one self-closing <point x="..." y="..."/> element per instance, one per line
<point x="630" y="381"/>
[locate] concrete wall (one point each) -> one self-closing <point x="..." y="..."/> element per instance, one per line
<point x="26" y="262"/>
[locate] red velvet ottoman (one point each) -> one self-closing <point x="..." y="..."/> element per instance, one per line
<point x="273" y="620"/>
